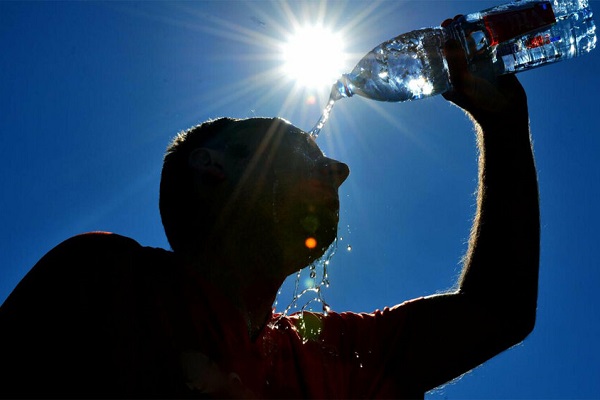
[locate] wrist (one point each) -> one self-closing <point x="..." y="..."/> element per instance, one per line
<point x="510" y="122"/>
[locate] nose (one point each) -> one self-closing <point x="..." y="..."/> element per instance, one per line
<point x="333" y="170"/>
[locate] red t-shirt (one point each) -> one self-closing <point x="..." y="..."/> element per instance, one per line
<point x="101" y="315"/>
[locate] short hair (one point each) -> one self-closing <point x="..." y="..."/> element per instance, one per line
<point x="179" y="210"/>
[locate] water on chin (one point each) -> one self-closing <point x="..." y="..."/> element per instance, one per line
<point x="315" y="282"/>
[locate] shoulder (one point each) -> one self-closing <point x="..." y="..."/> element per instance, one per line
<point x="82" y="255"/>
<point x="84" y="311"/>
<point x="87" y="263"/>
<point x="87" y="279"/>
<point x="95" y="243"/>
<point x="103" y="250"/>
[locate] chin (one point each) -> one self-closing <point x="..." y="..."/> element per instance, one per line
<point x="299" y="255"/>
<point x="306" y="236"/>
<point x="323" y="242"/>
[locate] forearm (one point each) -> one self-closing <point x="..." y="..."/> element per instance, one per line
<point x="494" y="307"/>
<point x="501" y="266"/>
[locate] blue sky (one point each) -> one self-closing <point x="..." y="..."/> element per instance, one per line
<point x="91" y="93"/>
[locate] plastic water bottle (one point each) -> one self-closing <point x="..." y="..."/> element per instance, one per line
<point x="505" y="39"/>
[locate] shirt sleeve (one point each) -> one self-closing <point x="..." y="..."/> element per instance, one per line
<point x="371" y="347"/>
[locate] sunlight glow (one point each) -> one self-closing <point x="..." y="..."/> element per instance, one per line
<point x="314" y="56"/>
<point x="270" y="78"/>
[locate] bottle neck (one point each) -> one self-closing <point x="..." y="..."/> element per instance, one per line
<point x="342" y="88"/>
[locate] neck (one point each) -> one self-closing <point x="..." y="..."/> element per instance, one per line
<point x="246" y="283"/>
<point x="253" y="298"/>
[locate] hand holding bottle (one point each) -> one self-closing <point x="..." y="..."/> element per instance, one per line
<point x="502" y="97"/>
<point x="493" y="43"/>
<point x="502" y="40"/>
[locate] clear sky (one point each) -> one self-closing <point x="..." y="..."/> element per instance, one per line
<point x="91" y="93"/>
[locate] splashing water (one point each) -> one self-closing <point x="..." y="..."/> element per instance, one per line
<point x="318" y="284"/>
<point x="339" y="90"/>
<point x="314" y="132"/>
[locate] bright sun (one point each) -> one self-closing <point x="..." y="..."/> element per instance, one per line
<point x="314" y="56"/>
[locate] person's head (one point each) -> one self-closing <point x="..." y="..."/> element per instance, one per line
<point x="254" y="185"/>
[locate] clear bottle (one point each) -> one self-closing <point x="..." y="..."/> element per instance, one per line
<point x="505" y="39"/>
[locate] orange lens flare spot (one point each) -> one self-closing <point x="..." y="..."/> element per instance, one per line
<point x="310" y="243"/>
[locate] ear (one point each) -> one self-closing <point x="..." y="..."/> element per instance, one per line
<point x="207" y="163"/>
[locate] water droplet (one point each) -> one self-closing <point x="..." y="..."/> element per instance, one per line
<point x="313" y="283"/>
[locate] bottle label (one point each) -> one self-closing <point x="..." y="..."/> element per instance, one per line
<point x="528" y="43"/>
<point x="506" y="25"/>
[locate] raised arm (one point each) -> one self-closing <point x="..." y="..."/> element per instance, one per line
<point x="495" y="304"/>
<point x="505" y="232"/>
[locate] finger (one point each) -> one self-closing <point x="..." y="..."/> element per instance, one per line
<point x="446" y="22"/>
<point x="457" y="63"/>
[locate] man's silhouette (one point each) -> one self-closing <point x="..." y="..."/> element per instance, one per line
<point x="102" y="316"/>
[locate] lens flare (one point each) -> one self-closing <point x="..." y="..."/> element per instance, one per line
<point x="310" y="243"/>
